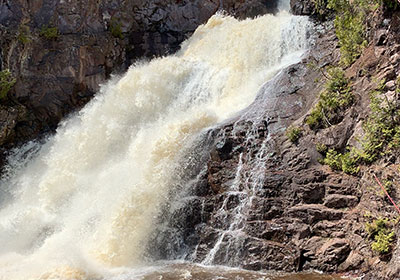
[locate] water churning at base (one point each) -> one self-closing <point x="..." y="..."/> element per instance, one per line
<point x="86" y="204"/>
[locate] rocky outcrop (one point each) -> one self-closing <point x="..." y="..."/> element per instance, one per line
<point x="298" y="214"/>
<point x="61" y="51"/>
<point x="304" y="7"/>
<point x="267" y="203"/>
<point x="315" y="9"/>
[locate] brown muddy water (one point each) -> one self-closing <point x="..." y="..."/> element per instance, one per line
<point x="184" y="271"/>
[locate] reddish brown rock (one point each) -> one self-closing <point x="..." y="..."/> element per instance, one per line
<point x="340" y="201"/>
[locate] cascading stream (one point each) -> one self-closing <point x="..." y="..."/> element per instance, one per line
<point x="249" y="178"/>
<point x="85" y="205"/>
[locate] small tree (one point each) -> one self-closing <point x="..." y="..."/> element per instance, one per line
<point x="6" y="83"/>
<point x="49" y="32"/>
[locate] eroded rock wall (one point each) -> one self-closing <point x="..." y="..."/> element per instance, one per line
<point x="301" y="214"/>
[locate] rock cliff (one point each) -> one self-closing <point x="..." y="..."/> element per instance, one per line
<point x="301" y="213"/>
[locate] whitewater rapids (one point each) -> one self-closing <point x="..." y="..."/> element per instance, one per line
<point x="84" y="205"/>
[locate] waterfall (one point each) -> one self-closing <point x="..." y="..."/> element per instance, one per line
<point x="84" y="204"/>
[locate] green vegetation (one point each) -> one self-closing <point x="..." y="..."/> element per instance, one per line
<point x="379" y="231"/>
<point x="333" y="159"/>
<point x="321" y="148"/>
<point x="116" y="29"/>
<point x="381" y="134"/>
<point x="376" y="226"/>
<point x="49" y="32"/>
<point x="351" y="23"/>
<point x="6" y="83"/>
<point x="294" y="134"/>
<point x="388" y="186"/>
<point x="383" y="241"/>
<point x="382" y="128"/>
<point x="346" y="162"/>
<point x="320" y="8"/>
<point x="336" y="97"/>
<point x="350" y="27"/>
<point x="23" y="34"/>
<point x="389" y="4"/>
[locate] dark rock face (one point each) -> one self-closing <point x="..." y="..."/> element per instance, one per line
<point x="340" y="201"/>
<point x="9" y="117"/>
<point x="302" y="7"/>
<point x="316" y="9"/>
<point x="269" y="204"/>
<point x="58" y="75"/>
<point x="283" y="226"/>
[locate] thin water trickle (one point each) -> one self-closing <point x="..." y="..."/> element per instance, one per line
<point x="244" y="186"/>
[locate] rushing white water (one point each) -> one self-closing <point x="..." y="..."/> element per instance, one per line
<point x="85" y="206"/>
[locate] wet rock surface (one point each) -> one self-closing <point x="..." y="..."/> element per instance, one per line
<point x="303" y="7"/>
<point x="268" y="203"/>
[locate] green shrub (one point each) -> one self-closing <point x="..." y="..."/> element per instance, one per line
<point x="351" y="24"/>
<point x="379" y="231"/>
<point x="383" y="242"/>
<point x="321" y="148"/>
<point x="381" y="134"/>
<point x="49" y="32"/>
<point x="350" y="30"/>
<point x="294" y="134"/>
<point x="320" y="8"/>
<point x="350" y="162"/>
<point x="6" y="83"/>
<point x="346" y="162"/>
<point x="23" y="34"/>
<point x="376" y="226"/>
<point x="116" y="29"/>
<point x="333" y="159"/>
<point x="350" y="27"/>
<point x="337" y="81"/>
<point x="388" y="186"/>
<point x="336" y="97"/>
<point x="315" y="119"/>
<point x="382" y="128"/>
